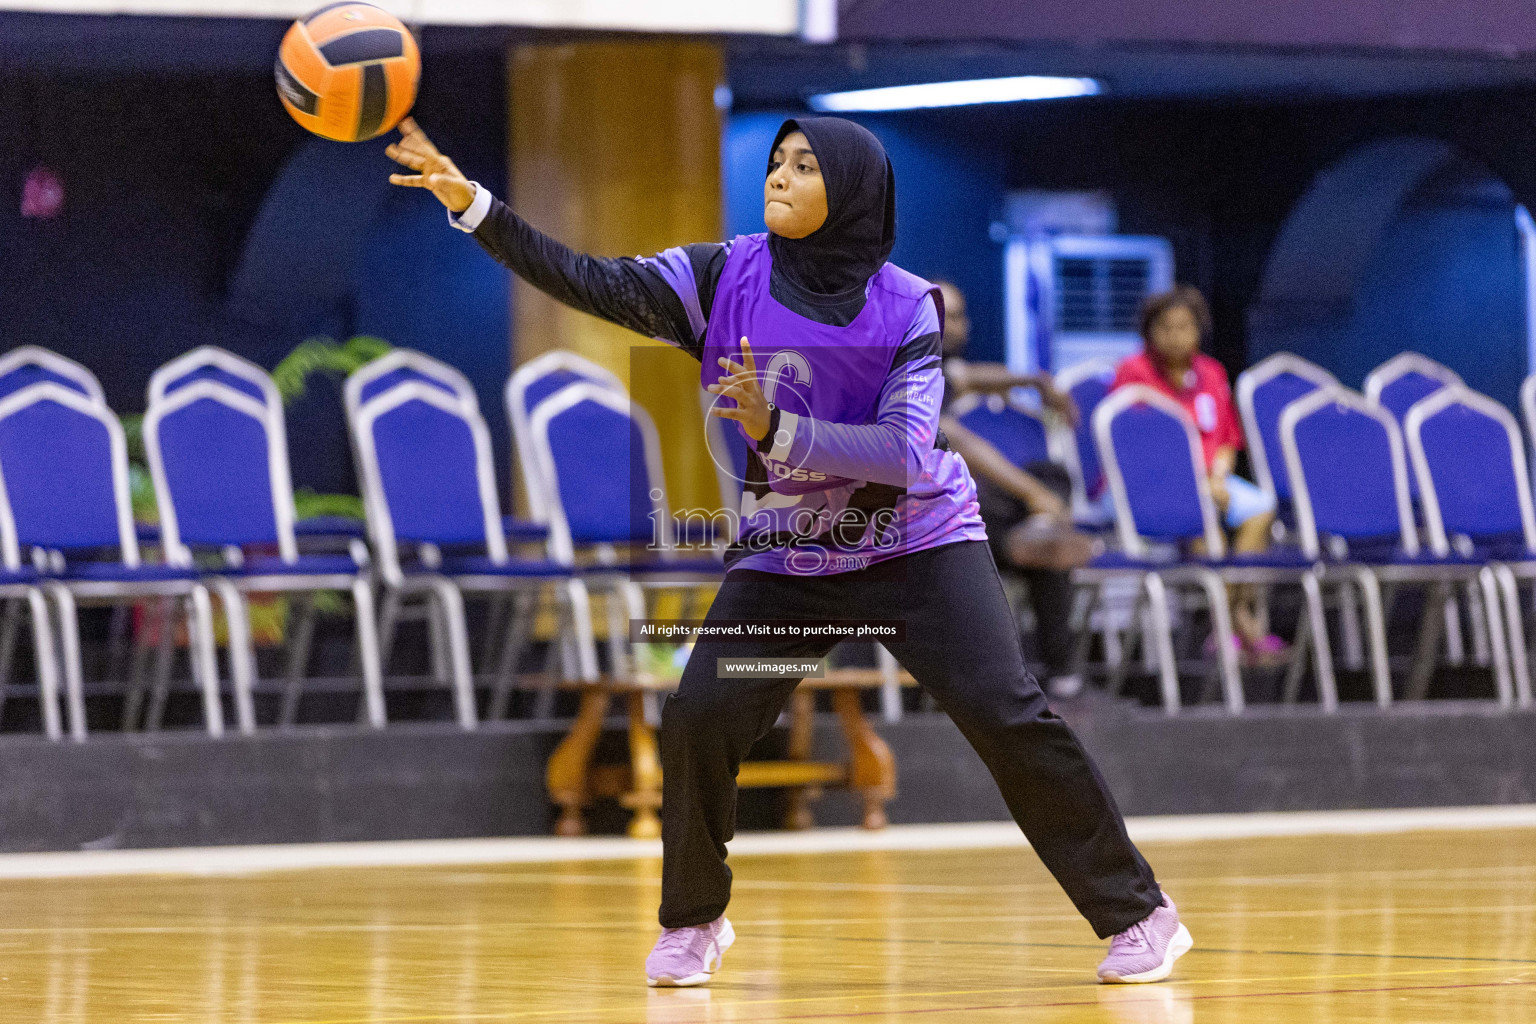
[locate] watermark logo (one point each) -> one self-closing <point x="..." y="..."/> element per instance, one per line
<point x="815" y="540"/>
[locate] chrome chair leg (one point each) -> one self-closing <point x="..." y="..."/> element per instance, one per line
<point x="369" y="653"/>
<point x="69" y="646"/>
<point x="1503" y="681"/>
<point x="448" y="609"/>
<point x="204" y="659"/>
<point x="46" y="653"/>
<point x="301" y="612"/>
<point x="1322" y="654"/>
<point x="1376" y="632"/>
<point x="1519" y="656"/>
<point x="242" y="657"/>
<point x="1161" y="640"/>
<point x="165" y="653"/>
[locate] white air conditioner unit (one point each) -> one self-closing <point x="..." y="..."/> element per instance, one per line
<point x="1071" y="298"/>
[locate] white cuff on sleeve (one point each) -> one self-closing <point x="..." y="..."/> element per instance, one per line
<point x="784" y="437"/>
<point x="471" y="218"/>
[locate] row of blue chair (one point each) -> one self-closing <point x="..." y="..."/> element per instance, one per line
<point x="1026" y="434"/>
<point x="216" y="443"/>
<point x="591" y="464"/>
<point x="1265" y="389"/>
<point x="1340" y="461"/>
<point x="65" y="497"/>
<point x="1263" y="392"/>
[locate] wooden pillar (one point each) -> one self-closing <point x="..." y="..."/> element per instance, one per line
<point x="615" y="150"/>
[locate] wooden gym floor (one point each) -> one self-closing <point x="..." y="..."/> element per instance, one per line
<point x="1416" y="926"/>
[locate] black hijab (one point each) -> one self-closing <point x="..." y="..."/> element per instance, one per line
<point x="860" y="229"/>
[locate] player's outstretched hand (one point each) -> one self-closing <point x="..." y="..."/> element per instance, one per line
<point x="434" y="171"/>
<point x="741" y="384"/>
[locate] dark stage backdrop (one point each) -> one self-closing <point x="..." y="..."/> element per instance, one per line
<point x="166" y="173"/>
<point x="1440" y="273"/>
<point x="1502" y="27"/>
<point x="179" y="186"/>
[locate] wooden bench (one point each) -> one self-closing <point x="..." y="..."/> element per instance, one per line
<point x="573" y="780"/>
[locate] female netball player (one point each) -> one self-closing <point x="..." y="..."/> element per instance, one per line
<point x="827" y="357"/>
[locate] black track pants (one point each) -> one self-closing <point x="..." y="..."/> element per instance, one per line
<point x="962" y="646"/>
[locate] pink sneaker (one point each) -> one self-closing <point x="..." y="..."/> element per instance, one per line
<point x="1147" y="949"/>
<point x="688" y="956"/>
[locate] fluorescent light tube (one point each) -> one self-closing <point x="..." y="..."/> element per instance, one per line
<point x="955" y="94"/>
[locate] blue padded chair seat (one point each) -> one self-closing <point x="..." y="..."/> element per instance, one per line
<point x="305" y="565"/>
<point x="314" y="526"/>
<point x="117" y="572"/>
<point x="1380" y="556"/>
<point x="655" y="566"/>
<point x="1422" y="558"/>
<point x="1121" y="560"/>
<point x="1274" y="558"/>
<point x="1385" y="551"/>
<point x="522" y="529"/>
<point x="480" y="565"/>
<point x="1501" y="549"/>
<point x="330" y="526"/>
<point x="17" y="577"/>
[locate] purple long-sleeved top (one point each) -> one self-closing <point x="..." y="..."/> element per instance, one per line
<point x="857" y="471"/>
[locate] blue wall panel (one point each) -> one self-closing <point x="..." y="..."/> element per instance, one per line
<point x="1447" y="282"/>
<point x="422" y="285"/>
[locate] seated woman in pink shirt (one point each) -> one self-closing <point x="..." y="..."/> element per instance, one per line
<point x="1172" y="325"/>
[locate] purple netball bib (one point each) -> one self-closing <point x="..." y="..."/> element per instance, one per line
<point x="800" y="515"/>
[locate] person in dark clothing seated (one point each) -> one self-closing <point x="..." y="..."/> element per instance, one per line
<point x="1027" y="510"/>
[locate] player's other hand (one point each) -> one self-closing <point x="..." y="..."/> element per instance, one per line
<point x="740" y="383"/>
<point x="434" y="171"/>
